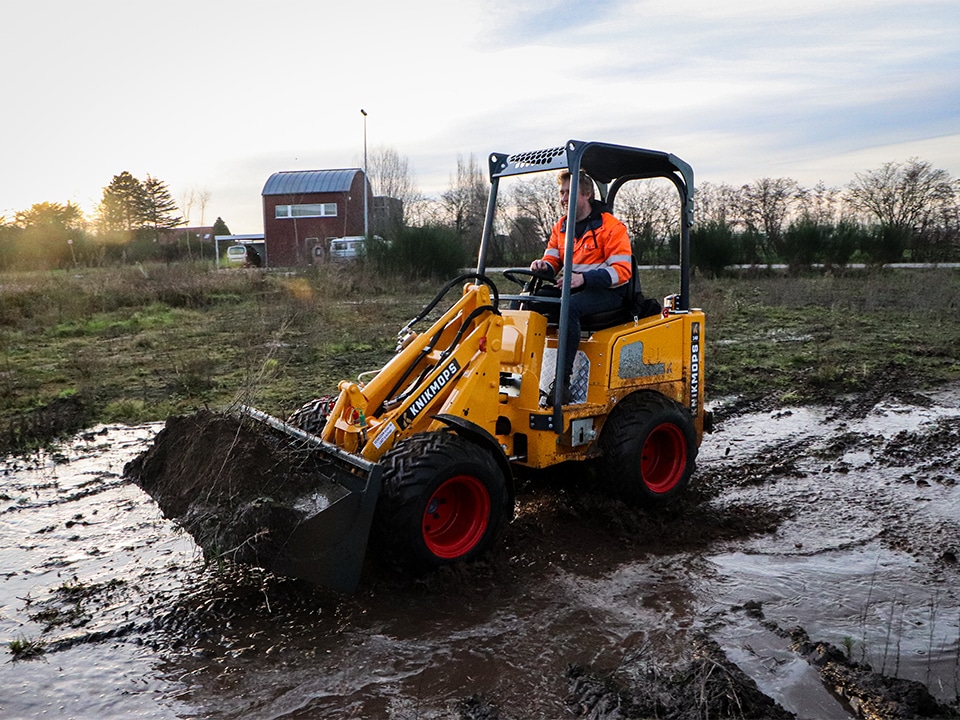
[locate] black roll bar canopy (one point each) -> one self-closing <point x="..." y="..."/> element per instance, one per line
<point x="611" y="166"/>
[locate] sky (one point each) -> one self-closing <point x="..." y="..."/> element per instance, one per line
<point x="214" y="96"/>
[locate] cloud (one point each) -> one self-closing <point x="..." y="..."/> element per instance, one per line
<point x="220" y="94"/>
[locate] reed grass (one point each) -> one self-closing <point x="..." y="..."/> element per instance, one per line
<point x="26" y="649"/>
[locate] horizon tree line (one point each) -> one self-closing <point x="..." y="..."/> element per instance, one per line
<point x="901" y="211"/>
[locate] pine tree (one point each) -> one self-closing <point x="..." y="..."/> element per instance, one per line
<point x="158" y="207"/>
<point x="121" y="208"/>
<point x="220" y="227"/>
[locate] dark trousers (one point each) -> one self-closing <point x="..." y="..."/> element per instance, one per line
<point x="583" y="302"/>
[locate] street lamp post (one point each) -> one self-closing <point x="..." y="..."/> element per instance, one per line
<point x="366" y="212"/>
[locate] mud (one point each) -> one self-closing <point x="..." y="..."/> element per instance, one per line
<point x="232" y="484"/>
<point x="809" y="572"/>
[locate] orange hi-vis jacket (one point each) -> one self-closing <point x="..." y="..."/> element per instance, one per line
<point x="601" y="253"/>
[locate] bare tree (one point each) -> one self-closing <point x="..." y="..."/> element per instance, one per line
<point x="203" y="198"/>
<point x="944" y="237"/>
<point x="390" y="176"/>
<point x="649" y="210"/>
<point x="425" y="212"/>
<point x="912" y="201"/>
<point x="538" y="200"/>
<point x="466" y="202"/>
<point x="903" y="194"/>
<point x="820" y="204"/>
<point x="717" y="203"/>
<point x="766" y="205"/>
<point x="187" y="200"/>
<point x="532" y="207"/>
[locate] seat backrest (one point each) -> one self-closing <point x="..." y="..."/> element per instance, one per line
<point x="620" y="315"/>
<point x="639" y="306"/>
<point x="633" y="289"/>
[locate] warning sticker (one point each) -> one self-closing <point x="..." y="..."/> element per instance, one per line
<point x="388" y="430"/>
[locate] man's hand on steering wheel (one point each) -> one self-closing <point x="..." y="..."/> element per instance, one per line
<point x="530" y="279"/>
<point x="540" y="268"/>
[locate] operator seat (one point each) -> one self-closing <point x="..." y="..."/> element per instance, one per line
<point x="634" y="305"/>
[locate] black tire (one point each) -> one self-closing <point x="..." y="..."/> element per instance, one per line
<point x="649" y="449"/>
<point x="443" y="499"/>
<point x="312" y="416"/>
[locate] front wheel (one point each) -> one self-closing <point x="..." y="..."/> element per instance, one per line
<point x="649" y="448"/>
<point x="443" y="499"/>
<point x="312" y="416"/>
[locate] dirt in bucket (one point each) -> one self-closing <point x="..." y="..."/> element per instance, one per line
<point x="230" y="483"/>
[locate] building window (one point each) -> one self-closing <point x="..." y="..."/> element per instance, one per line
<point x="307" y="210"/>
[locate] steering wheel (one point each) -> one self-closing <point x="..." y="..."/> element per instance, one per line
<point x="537" y="278"/>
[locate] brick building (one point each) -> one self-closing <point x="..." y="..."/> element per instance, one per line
<point x="303" y="210"/>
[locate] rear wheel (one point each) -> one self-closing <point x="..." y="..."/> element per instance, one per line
<point x="312" y="416"/>
<point x="649" y="448"/>
<point x="443" y="499"/>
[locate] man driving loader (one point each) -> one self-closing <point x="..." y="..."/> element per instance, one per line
<point x="600" y="272"/>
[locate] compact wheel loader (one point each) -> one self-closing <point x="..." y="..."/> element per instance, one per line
<point x="423" y="452"/>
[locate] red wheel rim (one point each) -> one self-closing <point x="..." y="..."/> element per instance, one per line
<point x="456" y="517"/>
<point x="663" y="458"/>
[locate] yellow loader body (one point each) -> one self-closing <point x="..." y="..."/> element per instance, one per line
<point x="487" y="372"/>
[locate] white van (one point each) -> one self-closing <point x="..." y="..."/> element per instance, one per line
<point x="237" y="254"/>
<point x="345" y="248"/>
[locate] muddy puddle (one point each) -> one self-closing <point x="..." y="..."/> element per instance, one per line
<point x="837" y="524"/>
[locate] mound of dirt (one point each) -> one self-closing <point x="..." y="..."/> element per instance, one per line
<point x="709" y="685"/>
<point x="870" y="694"/>
<point x="232" y="484"/>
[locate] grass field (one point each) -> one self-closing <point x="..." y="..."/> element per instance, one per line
<point x="139" y="343"/>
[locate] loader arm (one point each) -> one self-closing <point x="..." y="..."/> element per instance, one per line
<point x="449" y="369"/>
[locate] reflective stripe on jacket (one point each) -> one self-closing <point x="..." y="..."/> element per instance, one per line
<point x="601" y="253"/>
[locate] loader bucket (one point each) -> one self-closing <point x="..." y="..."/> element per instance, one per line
<point x="328" y="546"/>
<point x="333" y="521"/>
